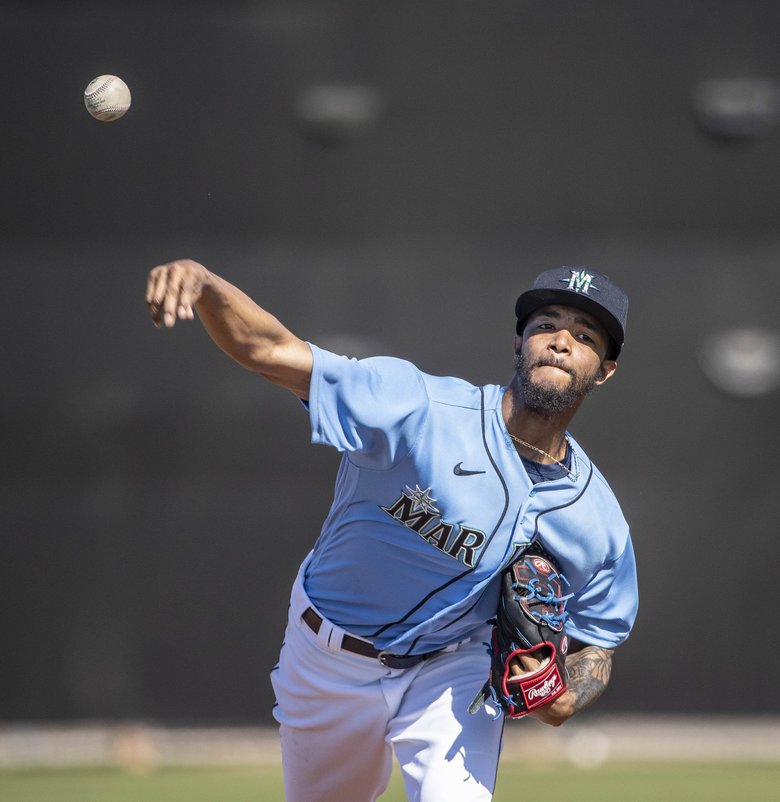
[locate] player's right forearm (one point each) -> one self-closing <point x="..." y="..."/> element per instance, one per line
<point x="252" y="336"/>
<point x="243" y="330"/>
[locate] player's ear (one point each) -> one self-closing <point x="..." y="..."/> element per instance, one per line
<point x="607" y="369"/>
<point x="518" y="343"/>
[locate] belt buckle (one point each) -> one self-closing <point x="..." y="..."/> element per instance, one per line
<point x="397" y="660"/>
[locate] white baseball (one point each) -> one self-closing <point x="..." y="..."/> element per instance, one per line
<point x="107" y="98"/>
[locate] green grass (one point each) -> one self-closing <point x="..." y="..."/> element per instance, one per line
<point x="715" y="782"/>
<point x="646" y="782"/>
<point x="165" y="785"/>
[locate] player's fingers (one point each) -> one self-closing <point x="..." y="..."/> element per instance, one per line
<point x="526" y="663"/>
<point x="529" y="662"/>
<point x="155" y="292"/>
<point x="193" y="282"/>
<point x="523" y="665"/>
<point x="170" y="301"/>
<point x="172" y="290"/>
<point x="187" y="298"/>
<point x="158" y="284"/>
<point x="151" y="283"/>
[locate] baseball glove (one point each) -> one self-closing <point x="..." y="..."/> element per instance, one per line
<point x="530" y="620"/>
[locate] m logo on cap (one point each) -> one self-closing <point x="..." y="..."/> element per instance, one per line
<point x="580" y="281"/>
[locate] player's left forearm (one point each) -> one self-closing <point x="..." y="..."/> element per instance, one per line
<point x="589" y="670"/>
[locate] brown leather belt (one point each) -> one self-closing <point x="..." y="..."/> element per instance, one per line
<point x="364" y="648"/>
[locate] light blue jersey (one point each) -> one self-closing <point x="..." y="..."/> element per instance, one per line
<point x="431" y="502"/>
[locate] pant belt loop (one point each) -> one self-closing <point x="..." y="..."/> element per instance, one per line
<point x="330" y="636"/>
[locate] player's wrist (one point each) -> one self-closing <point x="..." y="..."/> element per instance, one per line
<point x="557" y="711"/>
<point x="209" y="284"/>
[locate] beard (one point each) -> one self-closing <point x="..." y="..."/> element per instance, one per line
<point x="547" y="399"/>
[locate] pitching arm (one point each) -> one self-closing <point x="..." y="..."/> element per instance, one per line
<point x="589" y="669"/>
<point x="243" y="330"/>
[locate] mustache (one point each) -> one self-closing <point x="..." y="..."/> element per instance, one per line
<point x="549" y="362"/>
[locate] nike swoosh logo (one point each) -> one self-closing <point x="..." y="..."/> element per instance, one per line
<point x="458" y="471"/>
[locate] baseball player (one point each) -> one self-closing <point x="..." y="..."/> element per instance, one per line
<point x="441" y="485"/>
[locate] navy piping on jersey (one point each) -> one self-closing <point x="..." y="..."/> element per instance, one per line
<point x="484" y="549"/>
<point x="519" y="548"/>
<point x="448" y="624"/>
<point x="563" y="506"/>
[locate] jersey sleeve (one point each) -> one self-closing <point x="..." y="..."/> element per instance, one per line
<point x="371" y="408"/>
<point x="603" y="613"/>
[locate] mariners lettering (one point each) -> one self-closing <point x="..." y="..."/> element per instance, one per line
<point x="467" y="541"/>
<point x="438" y="535"/>
<point x="416" y="511"/>
<point x="404" y="511"/>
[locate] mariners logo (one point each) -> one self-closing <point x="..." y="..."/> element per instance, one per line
<point x="580" y="281"/>
<point x="415" y="509"/>
<point x="421" y="499"/>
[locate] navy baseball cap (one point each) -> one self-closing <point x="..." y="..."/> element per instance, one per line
<point x="584" y="289"/>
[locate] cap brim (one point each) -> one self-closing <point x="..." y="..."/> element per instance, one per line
<point x="532" y="300"/>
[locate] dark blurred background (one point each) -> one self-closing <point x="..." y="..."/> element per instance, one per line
<point x="386" y="178"/>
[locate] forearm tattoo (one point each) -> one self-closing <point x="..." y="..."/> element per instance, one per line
<point x="589" y="670"/>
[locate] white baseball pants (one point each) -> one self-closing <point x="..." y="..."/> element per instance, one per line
<point x="342" y="715"/>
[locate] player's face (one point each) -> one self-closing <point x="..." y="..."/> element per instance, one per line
<point x="561" y="356"/>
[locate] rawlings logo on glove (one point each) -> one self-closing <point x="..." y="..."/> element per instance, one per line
<point x="530" y="620"/>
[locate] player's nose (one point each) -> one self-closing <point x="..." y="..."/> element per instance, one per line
<point x="561" y="341"/>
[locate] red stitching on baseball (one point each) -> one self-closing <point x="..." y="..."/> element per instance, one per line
<point x="101" y="88"/>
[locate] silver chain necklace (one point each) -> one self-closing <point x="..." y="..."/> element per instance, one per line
<point x="571" y="474"/>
